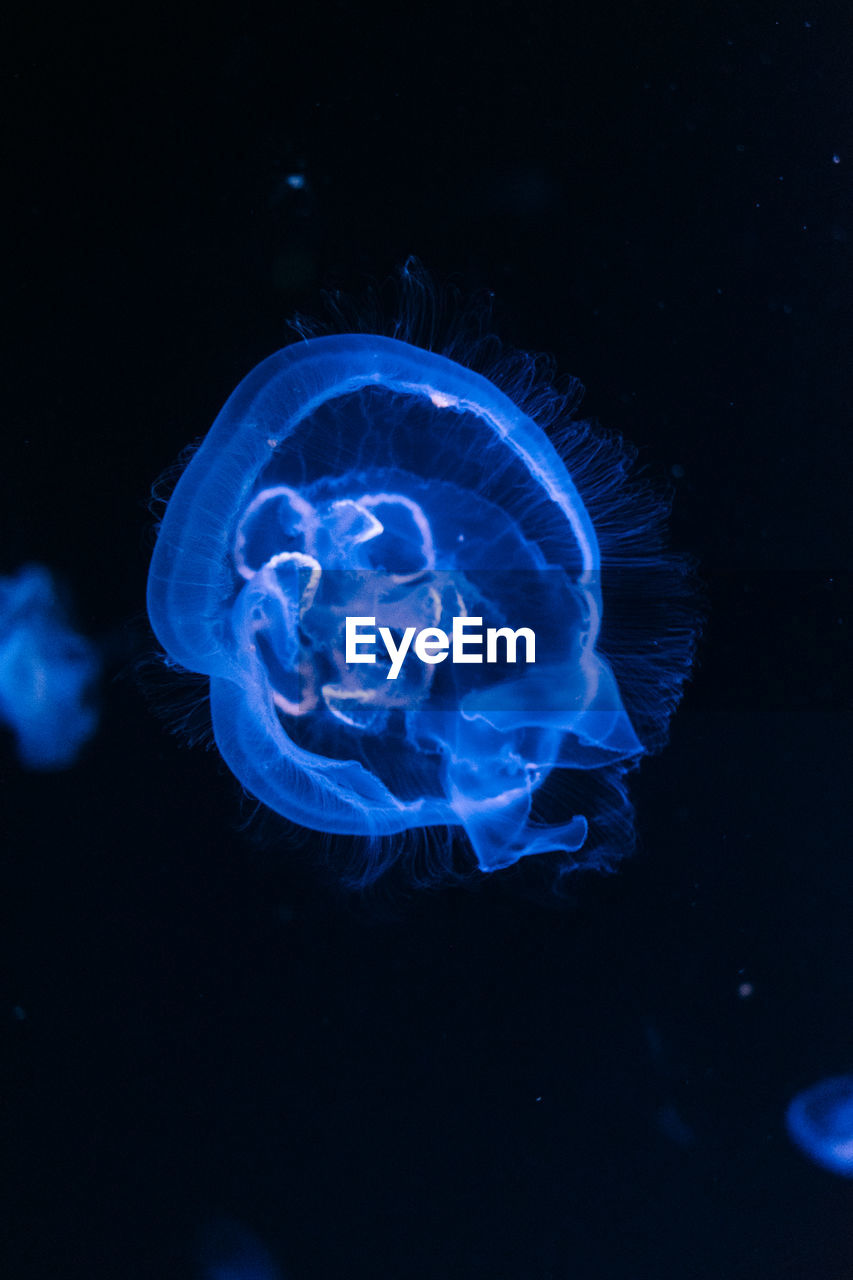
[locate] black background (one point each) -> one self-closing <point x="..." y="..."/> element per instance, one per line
<point x="457" y="1083"/>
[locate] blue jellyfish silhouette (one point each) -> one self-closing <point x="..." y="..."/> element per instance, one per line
<point x="229" y="1251"/>
<point x="820" y="1122"/>
<point x="391" y="578"/>
<point x="47" y="672"/>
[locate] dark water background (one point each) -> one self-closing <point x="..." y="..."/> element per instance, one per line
<point x="460" y="1083"/>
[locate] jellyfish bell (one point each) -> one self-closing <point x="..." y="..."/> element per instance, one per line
<point x="228" y="1250"/>
<point x="820" y="1122"/>
<point x="360" y="477"/>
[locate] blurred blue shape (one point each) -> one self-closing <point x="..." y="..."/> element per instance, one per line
<point x="820" y="1122"/>
<point x="229" y="1251"/>
<point x="47" y="672"/>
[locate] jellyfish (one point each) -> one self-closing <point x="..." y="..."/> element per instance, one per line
<point x="229" y="1251"/>
<point x="47" y="672"/>
<point x="820" y="1122"/>
<point x="390" y="573"/>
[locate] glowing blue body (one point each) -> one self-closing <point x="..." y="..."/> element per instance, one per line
<point x="229" y="1251"/>
<point x="820" y="1122"/>
<point x="357" y="475"/>
<point x="47" y="672"/>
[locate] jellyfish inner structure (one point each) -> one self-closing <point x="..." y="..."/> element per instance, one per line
<point x="357" y="557"/>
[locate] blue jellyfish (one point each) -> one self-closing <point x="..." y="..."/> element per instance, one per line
<point x="820" y="1122"/>
<point x="47" y="672"/>
<point x="229" y="1251"/>
<point x="393" y="579"/>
